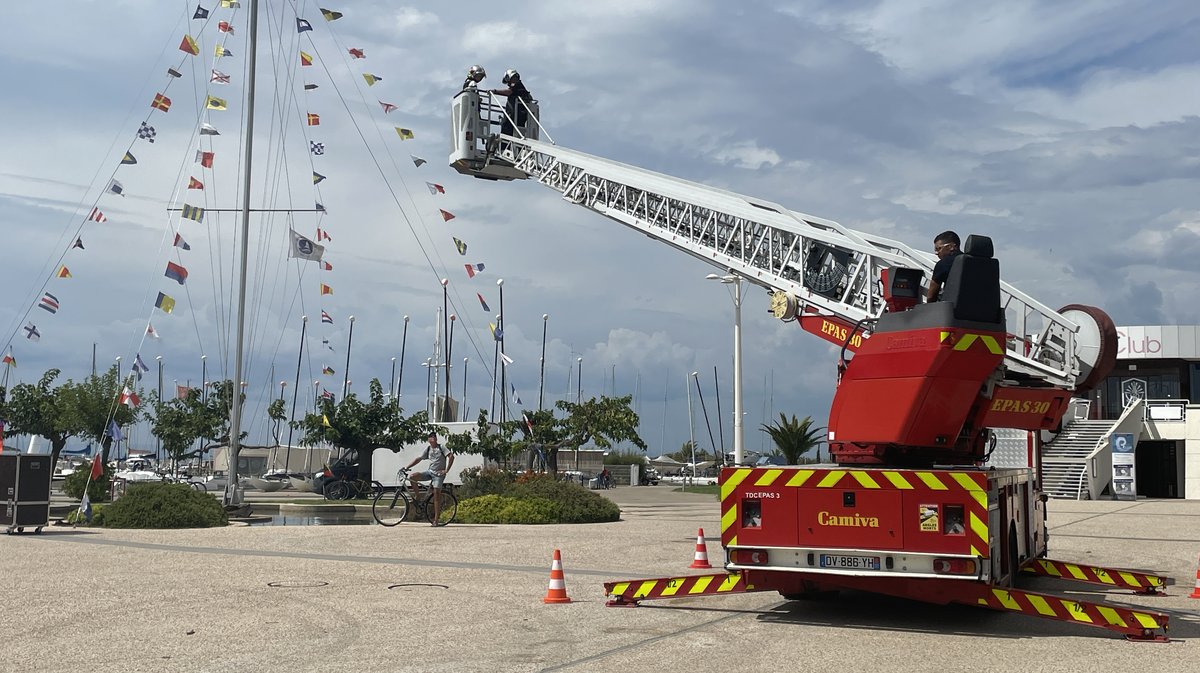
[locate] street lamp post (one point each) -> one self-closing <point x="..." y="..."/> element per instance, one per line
<point x="403" y="343"/>
<point x="579" y="381"/>
<point x="203" y="378"/>
<point x="392" y="382"/>
<point x="542" y="375"/>
<point x="739" y="438"/>
<point x="503" y="370"/>
<point x="449" y="354"/>
<point x="464" y="397"/>
<point x="349" y="345"/>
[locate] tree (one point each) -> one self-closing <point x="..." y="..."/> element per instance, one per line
<point x="684" y="454"/>
<point x="604" y="421"/>
<point x="70" y="410"/>
<point x="277" y="414"/>
<point x="793" y="437"/>
<point x="361" y="427"/>
<point x="180" y="422"/>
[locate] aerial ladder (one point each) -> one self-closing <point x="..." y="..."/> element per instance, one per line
<point x="908" y="509"/>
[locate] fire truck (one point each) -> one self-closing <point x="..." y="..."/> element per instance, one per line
<point x="912" y="505"/>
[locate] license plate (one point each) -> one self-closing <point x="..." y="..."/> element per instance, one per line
<point x="850" y="562"/>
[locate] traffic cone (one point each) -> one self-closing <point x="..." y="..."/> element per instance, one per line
<point x="701" y="559"/>
<point x="1196" y="592"/>
<point x="557" y="592"/>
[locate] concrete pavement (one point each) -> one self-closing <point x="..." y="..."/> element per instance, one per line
<point x="468" y="598"/>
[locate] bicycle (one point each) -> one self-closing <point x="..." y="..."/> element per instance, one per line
<point x="348" y="489"/>
<point x="390" y="508"/>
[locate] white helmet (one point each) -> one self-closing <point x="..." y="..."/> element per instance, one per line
<point x="476" y="72"/>
<point x="511" y="75"/>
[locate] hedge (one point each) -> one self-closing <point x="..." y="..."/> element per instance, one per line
<point x="161" y="505"/>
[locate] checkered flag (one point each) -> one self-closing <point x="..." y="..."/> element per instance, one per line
<point x="317" y="148"/>
<point x="147" y="132"/>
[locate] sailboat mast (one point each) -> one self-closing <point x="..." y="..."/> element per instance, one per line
<point x="233" y="495"/>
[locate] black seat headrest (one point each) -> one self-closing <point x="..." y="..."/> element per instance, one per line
<point x="978" y="246"/>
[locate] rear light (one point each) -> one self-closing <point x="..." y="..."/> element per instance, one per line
<point x="470" y="136"/>
<point x="955" y="566"/>
<point x="749" y="557"/>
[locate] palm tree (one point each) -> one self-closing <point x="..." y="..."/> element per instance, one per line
<point x="793" y="437"/>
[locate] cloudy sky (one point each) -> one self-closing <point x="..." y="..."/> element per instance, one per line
<point x="1069" y="135"/>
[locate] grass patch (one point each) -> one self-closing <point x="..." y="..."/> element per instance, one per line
<point x="711" y="489"/>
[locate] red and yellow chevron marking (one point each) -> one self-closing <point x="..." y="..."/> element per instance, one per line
<point x="629" y="592"/>
<point x="932" y="481"/>
<point x="965" y="341"/>
<point x="1137" y="624"/>
<point x="1140" y="582"/>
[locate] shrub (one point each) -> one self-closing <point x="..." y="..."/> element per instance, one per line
<point x="484" y="481"/>
<point x="162" y="506"/>
<point x="504" y="509"/>
<point x="577" y="504"/>
<point x="97" y="492"/>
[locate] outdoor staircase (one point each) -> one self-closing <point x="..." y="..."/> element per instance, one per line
<point x="1065" y="459"/>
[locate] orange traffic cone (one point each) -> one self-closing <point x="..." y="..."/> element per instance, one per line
<point x="701" y="559"/>
<point x="1196" y="592"/>
<point x="557" y="592"/>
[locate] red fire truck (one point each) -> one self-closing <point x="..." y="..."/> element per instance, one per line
<point x="910" y="506"/>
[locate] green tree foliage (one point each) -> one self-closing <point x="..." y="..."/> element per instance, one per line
<point x="71" y="409"/>
<point x="604" y="421"/>
<point x="98" y="489"/>
<point x="277" y="414"/>
<point x="361" y="426"/>
<point x="180" y="422"/>
<point x="794" y="438"/>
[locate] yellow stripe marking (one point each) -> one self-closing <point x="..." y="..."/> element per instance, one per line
<point x="966" y="481"/>
<point x="1076" y="571"/>
<point x="730" y="583"/>
<point x="728" y="518"/>
<point x="992" y="344"/>
<point x="800" y="477"/>
<point x="831" y="479"/>
<point x="1146" y="620"/>
<point x="1040" y="605"/>
<point x="975" y="552"/>
<point x="1103" y="576"/>
<point x="1130" y="580"/>
<point x="768" y="477"/>
<point x="700" y="585"/>
<point x="980" y="498"/>
<point x="932" y="481"/>
<point x="1006" y="599"/>
<point x="864" y="479"/>
<point x="620" y="588"/>
<point x="979" y="526"/>
<point x="733" y="541"/>
<point x="645" y="588"/>
<point x="673" y="586"/>
<point x="1110" y="615"/>
<point x="965" y="343"/>
<point x="942" y="336"/>
<point x="1076" y="611"/>
<point x="898" y="480"/>
<point x="1050" y="568"/>
<point x="734" y="479"/>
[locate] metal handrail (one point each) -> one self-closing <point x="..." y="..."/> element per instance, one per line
<point x="1159" y="404"/>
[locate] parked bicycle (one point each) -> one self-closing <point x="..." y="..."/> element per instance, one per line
<point x="352" y="489"/>
<point x="399" y="504"/>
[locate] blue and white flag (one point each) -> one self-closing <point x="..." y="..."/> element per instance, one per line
<point x="114" y="431"/>
<point x="516" y="398"/>
<point x="139" y="367"/>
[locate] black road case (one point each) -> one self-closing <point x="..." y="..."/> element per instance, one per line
<point x="24" y="491"/>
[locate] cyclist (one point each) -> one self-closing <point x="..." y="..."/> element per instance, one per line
<point x="441" y="459"/>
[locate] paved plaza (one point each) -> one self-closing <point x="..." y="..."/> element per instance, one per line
<point x="469" y="598"/>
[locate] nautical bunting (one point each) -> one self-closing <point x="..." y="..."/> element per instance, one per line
<point x="303" y="248"/>
<point x="49" y="303"/>
<point x="207" y="129"/>
<point x="193" y="183"/>
<point x="97" y="216"/>
<point x="323" y="235"/>
<point x="195" y="213"/>
<point x="316" y="148"/>
<point x="225" y="27"/>
<point x="302" y="25"/>
<point x="461" y="246"/>
<point x="326" y="266"/>
<point x="150" y="331"/>
<point x="9" y="360"/>
<point x="325" y="343"/>
<point x="435" y="188"/>
<point x="147" y="132"/>
<point x="161" y="102"/>
<point x="319" y="208"/>
<point x="201" y="13"/>
<point x="31" y="332"/>
<point x="387" y="107"/>
<point x="515" y="397"/>
<point x="417" y="161"/>
<point x="483" y="303"/>
<point x="220" y="51"/>
<point x="473" y="269"/>
<point x="139" y="366"/>
<point x="164" y="302"/>
<point x="446" y="215"/>
<point x="174" y="73"/>
<point x="128" y="159"/>
<point x="310" y="87"/>
<point x="314" y="119"/>
<point x="129" y="398"/>
<point x="180" y="243"/>
<point x="306" y="59"/>
<point x="231" y="4"/>
<point x="326" y="318"/>
<point x="214" y="103"/>
<point x="116" y="187"/>
<point x="507" y="360"/>
<point x="181" y="392"/>
<point x="327" y="370"/>
<point x="371" y="79"/>
<point x="189" y="45"/>
<point x="63" y="271"/>
<point x="325" y="289"/>
<point x="330" y="15"/>
<point x="219" y="77"/>
<point x="176" y="273"/>
<point x="317" y="178"/>
<point x="205" y="159"/>
<point x="405" y="134"/>
<point x="357" y="53"/>
<point x="79" y="244"/>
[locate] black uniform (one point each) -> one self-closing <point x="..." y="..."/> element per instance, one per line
<point x="941" y="270"/>
<point x="516" y="111"/>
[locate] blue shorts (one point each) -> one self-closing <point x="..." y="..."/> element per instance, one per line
<point x="435" y="480"/>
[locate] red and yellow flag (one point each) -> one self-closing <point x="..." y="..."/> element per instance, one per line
<point x="314" y="119"/>
<point x="325" y="289"/>
<point x="63" y="272"/>
<point x="305" y="59"/>
<point x="161" y="102"/>
<point x="189" y="45"/>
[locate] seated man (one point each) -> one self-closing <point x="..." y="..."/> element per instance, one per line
<point x="946" y="247"/>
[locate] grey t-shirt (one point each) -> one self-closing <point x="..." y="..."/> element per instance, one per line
<point x="437" y="457"/>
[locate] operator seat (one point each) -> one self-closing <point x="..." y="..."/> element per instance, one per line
<point x="973" y="286"/>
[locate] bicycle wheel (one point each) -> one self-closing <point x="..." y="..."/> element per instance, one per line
<point x="449" y="509"/>
<point x="389" y="509"/>
<point x="338" y="490"/>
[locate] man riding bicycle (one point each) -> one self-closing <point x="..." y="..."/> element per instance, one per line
<point x="441" y="459"/>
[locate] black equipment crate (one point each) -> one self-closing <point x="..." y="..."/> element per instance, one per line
<point x="25" y="491"/>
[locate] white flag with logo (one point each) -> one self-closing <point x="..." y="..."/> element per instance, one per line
<point x="303" y="248"/>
